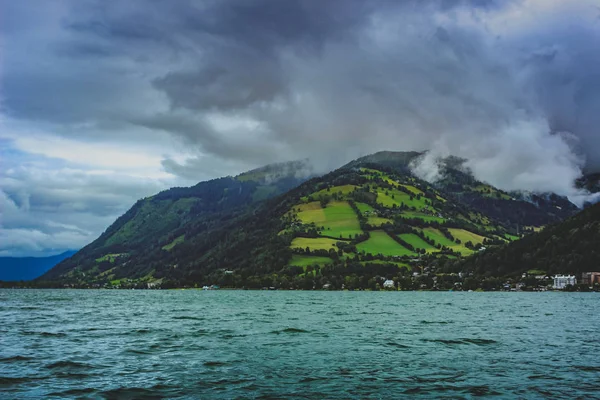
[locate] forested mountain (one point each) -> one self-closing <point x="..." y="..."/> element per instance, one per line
<point x="368" y="219"/>
<point x="567" y="247"/>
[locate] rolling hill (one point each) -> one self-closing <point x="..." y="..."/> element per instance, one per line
<point x="370" y="218"/>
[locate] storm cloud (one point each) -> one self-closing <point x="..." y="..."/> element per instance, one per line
<point x="200" y="89"/>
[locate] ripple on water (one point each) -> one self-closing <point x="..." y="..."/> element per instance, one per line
<point x="291" y="331"/>
<point x="451" y="342"/>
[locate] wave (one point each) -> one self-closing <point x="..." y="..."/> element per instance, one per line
<point x="398" y="345"/>
<point x="187" y="317"/>
<point x="15" y="358"/>
<point x="475" y="341"/>
<point x="45" y="334"/>
<point x="215" y="363"/>
<point x="435" y="322"/>
<point x="290" y="331"/>
<point x="588" y="368"/>
<point x="17" y="380"/>
<point x="65" y="364"/>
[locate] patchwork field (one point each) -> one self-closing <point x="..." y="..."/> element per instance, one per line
<point x="313" y="243"/>
<point x="311" y="212"/>
<point x="417" y="242"/>
<point x="378" y="221"/>
<point x="466" y="236"/>
<point x="303" y="260"/>
<point x="413" y="189"/>
<point x="341" y="220"/>
<point x="338" y="219"/>
<point x="364" y="208"/>
<point x="397" y="197"/>
<point x="438" y="237"/>
<point x="461" y="234"/>
<point x="345" y="189"/>
<point x="423" y="216"/>
<point x="380" y="243"/>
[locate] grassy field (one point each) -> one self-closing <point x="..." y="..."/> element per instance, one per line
<point x="174" y="243"/>
<point x="378" y="221"/>
<point x="381" y="243"/>
<point x="417" y="242"/>
<point x="303" y="261"/>
<point x="338" y="219"/>
<point x="397" y="197"/>
<point x="413" y="189"/>
<point x="345" y="189"/>
<point x="423" y="216"/>
<point x="461" y="234"/>
<point x="314" y="243"/>
<point x="311" y="212"/>
<point x="109" y="257"/>
<point x="466" y="236"/>
<point x="363" y="208"/>
<point x="438" y="237"/>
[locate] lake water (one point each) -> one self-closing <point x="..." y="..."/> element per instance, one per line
<point x="280" y="344"/>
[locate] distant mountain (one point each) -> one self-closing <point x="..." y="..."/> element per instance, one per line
<point x="28" y="268"/>
<point x="569" y="247"/>
<point x="270" y="227"/>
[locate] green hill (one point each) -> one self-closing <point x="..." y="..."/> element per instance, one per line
<point x="570" y="247"/>
<point x="364" y="221"/>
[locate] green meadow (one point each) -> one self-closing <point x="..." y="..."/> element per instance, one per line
<point x="363" y="207"/>
<point x="380" y="243"/>
<point x="314" y="243"/>
<point x="466" y="236"/>
<point x="378" y="221"/>
<point x="422" y="216"/>
<point x="396" y="197"/>
<point x="343" y="190"/>
<point x="338" y="219"/>
<point x="304" y="260"/>
<point x="438" y="237"/>
<point x="417" y="242"/>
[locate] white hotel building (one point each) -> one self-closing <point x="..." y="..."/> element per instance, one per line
<point x="561" y="281"/>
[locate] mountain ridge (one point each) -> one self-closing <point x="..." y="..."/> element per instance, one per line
<point x="355" y="220"/>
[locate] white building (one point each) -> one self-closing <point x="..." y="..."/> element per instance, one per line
<point x="389" y="284"/>
<point x="561" y="281"/>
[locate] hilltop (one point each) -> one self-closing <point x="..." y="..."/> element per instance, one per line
<point x="270" y="227"/>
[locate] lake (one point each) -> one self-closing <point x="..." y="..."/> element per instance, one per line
<point x="293" y="344"/>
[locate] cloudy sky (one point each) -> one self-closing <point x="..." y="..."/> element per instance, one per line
<point x="105" y="102"/>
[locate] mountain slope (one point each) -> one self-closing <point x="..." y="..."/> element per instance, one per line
<point x="568" y="247"/>
<point x="531" y="210"/>
<point x="364" y="220"/>
<point x="156" y="225"/>
<point x="27" y="268"/>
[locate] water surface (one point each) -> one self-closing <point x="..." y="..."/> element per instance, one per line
<point x="280" y="344"/>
